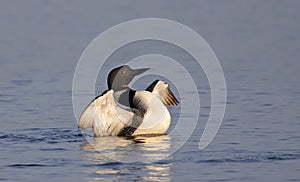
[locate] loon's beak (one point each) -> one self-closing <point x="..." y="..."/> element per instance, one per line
<point x="139" y="71"/>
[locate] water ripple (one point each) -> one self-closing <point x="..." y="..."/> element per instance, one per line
<point x="29" y="165"/>
<point x="7" y="98"/>
<point x="21" y="82"/>
<point x="37" y="135"/>
<point x="245" y="157"/>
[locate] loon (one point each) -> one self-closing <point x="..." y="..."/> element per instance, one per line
<point x="122" y="111"/>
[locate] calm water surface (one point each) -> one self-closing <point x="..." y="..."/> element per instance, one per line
<point x="258" y="47"/>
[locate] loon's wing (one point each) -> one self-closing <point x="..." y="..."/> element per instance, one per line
<point x="106" y="117"/>
<point x="163" y="91"/>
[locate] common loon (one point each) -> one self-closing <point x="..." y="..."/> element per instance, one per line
<point x="121" y="111"/>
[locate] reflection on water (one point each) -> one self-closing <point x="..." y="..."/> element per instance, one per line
<point x="128" y="157"/>
<point x="144" y="149"/>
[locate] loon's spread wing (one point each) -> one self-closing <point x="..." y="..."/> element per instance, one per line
<point x="162" y="89"/>
<point x="106" y="117"/>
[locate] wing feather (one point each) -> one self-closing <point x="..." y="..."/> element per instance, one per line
<point x="163" y="91"/>
<point x="105" y="116"/>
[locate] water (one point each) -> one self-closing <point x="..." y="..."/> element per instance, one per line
<point x="258" y="47"/>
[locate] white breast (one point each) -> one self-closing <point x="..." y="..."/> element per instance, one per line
<point x="157" y="118"/>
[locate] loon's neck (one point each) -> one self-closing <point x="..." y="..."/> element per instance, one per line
<point x="124" y="96"/>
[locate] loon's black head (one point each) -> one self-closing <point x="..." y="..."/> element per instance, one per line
<point x="120" y="77"/>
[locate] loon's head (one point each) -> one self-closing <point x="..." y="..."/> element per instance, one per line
<point x="120" y="77"/>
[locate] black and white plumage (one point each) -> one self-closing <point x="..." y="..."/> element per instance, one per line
<point x="121" y="111"/>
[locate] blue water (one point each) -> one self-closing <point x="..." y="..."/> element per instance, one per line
<point x="257" y="43"/>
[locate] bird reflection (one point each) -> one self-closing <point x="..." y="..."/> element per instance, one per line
<point x="111" y="157"/>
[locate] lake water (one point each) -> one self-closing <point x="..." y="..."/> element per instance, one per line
<point x="256" y="42"/>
